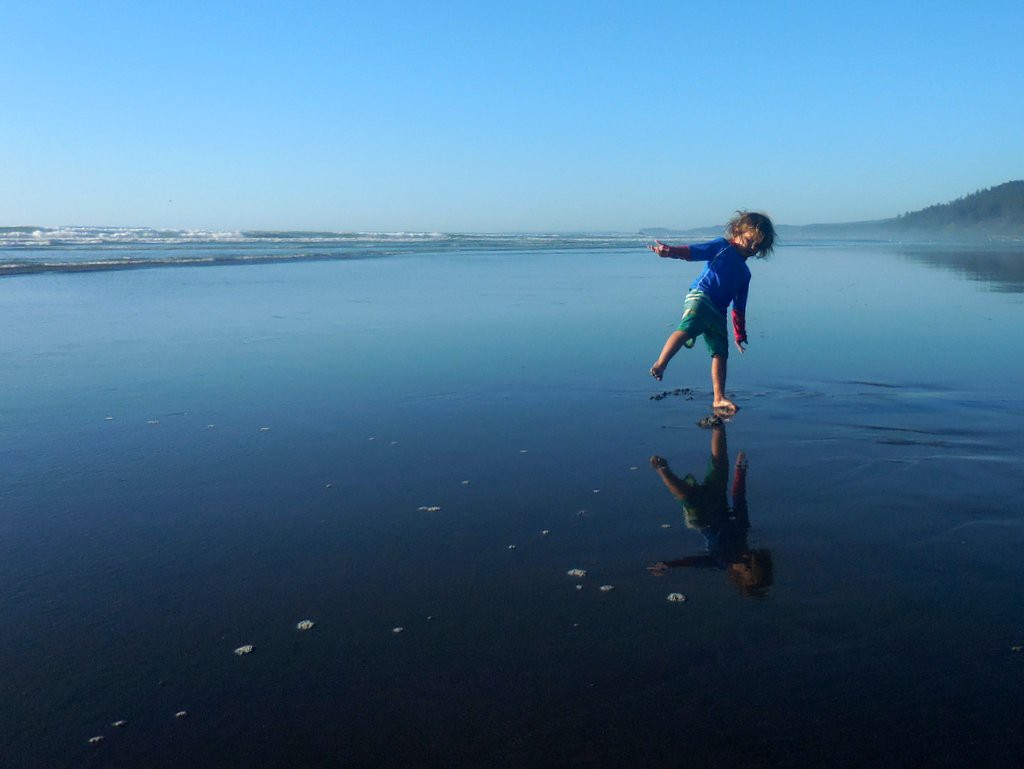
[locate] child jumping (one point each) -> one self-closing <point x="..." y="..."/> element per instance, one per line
<point x="725" y="280"/>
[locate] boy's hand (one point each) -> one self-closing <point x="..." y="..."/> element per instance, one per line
<point x="661" y="249"/>
<point x="740" y="347"/>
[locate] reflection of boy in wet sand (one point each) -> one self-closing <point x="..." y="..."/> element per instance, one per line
<point x="725" y="530"/>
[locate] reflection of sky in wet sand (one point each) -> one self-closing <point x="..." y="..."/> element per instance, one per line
<point x="881" y="413"/>
<point x="999" y="266"/>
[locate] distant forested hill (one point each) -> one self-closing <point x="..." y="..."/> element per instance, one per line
<point x="997" y="212"/>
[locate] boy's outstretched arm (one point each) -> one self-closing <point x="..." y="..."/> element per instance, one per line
<point x="670" y="252"/>
<point x="661" y="567"/>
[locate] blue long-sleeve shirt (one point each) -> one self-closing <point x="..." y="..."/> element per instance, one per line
<point x="726" y="278"/>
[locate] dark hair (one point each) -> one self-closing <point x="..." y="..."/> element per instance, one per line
<point x="747" y="221"/>
<point x="755" y="582"/>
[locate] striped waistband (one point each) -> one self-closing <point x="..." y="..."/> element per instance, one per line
<point x="704" y="301"/>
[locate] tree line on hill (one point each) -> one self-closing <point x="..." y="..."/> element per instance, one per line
<point x="996" y="212"/>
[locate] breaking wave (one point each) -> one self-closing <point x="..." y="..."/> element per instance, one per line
<point x="27" y="250"/>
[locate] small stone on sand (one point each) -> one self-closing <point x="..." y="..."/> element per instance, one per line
<point x="545" y="532"/>
<point x="96" y="740"/>
<point x="676" y="597"/>
<point x="109" y="419"/>
<point x="577" y="572"/>
<point x="153" y="422"/>
<point x="430" y="508"/>
<point x="181" y="714"/>
<point x="120" y="724"/>
<point x="666" y="525"/>
<point x="579" y="587"/>
<point x="264" y="429"/>
<point x="397" y="630"/>
<point x="465" y="483"/>
<point x="306" y="624"/>
<point x="607" y="588"/>
<point x="247" y="649"/>
<point x="511" y="547"/>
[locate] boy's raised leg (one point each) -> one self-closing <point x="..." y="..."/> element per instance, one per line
<point x="721" y="404"/>
<point x="675" y="340"/>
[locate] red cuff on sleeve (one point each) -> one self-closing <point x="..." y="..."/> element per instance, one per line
<point x="739" y="326"/>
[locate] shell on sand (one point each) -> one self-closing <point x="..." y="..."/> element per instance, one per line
<point x="181" y="714"/>
<point x="306" y="624"/>
<point x="247" y="649"/>
<point x="96" y="740"/>
<point x="120" y="724"/>
<point x="607" y="588"/>
<point x="676" y="597"/>
<point x="397" y="630"/>
<point x="577" y="572"/>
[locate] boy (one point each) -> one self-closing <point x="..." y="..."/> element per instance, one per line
<point x="725" y="280"/>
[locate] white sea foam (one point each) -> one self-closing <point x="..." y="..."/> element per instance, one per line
<point x="79" y="236"/>
<point x="80" y="248"/>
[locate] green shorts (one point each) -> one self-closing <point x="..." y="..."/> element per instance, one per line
<point x="700" y="316"/>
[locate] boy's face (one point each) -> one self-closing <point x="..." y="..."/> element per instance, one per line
<point x="748" y="241"/>
<point x="742" y="573"/>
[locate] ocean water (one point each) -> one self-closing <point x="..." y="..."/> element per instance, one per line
<point x="197" y="458"/>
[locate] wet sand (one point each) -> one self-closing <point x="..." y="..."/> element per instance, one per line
<point x="426" y="414"/>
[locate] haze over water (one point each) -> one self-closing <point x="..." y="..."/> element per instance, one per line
<point x="197" y="459"/>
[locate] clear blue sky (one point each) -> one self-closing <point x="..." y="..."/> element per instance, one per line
<point x="477" y="116"/>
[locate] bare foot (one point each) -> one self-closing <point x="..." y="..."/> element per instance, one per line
<point x="659" y="463"/>
<point x="725" y="407"/>
<point x="658" y="371"/>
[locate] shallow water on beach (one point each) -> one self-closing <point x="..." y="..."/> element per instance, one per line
<point x="198" y="458"/>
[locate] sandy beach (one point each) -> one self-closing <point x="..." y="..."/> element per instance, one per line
<point x="199" y="458"/>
